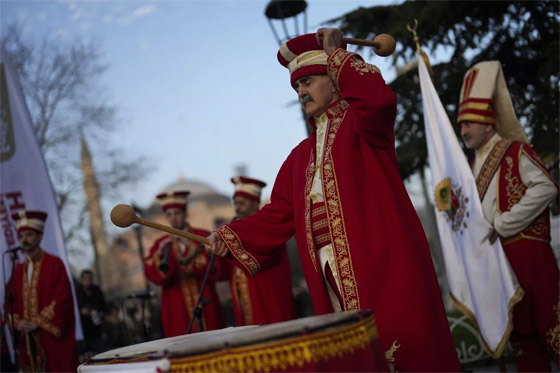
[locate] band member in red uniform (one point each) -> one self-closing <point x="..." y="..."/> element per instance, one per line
<point x="515" y="190"/>
<point x="43" y="306"/>
<point x="360" y="241"/>
<point x="178" y="265"/>
<point x="266" y="297"/>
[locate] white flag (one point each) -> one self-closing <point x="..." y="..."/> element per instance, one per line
<point x="481" y="281"/>
<point x="24" y="179"/>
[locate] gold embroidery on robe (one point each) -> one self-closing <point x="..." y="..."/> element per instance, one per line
<point x="491" y="164"/>
<point x="553" y="335"/>
<point x="309" y="173"/>
<point x="514" y="192"/>
<point x="30" y="306"/>
<point x="48" y="312"/>
<point x="335" y="63"/>
<point x="189" y="289"/>
<point x="335" y="215"/>
<point x="361" y="67"/>
<point x="240" y="285"/>
<point x="514" y="187"/>
<point x="232" y="241"/>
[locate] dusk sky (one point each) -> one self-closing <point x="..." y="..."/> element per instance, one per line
<point x="197" y="84"/>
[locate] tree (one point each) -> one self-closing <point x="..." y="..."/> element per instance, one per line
<point x="523" y="35"/>
<point x="60" y="84"/>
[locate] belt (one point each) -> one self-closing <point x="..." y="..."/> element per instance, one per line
<point x="320" y="224"/>
<point x="512" y="239"/>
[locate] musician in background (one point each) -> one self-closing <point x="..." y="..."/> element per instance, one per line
<point x="515" y="189"/>
<point x="91" y="303"/>
<point x="43" y="308"/>
<point x="178" y="265"/>
<point x="267" y="297"/>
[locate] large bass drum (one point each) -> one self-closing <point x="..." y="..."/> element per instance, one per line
<point x="346" y="341"/>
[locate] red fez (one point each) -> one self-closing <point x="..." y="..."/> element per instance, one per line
<point x="177" y="199"/>
<point x="29" y="219"/>
<point x="303" y="56"/>
<point x="247" y="187"/>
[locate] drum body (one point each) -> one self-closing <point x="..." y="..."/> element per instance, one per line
<point x="346" y="341"/>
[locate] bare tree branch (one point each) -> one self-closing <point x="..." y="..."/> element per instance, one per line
<point x="60" y="84"/>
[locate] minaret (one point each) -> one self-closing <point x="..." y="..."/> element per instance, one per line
<point x="96" y="224"/>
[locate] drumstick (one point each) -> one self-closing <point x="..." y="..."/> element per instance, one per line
<point x="383" y="44"/>
<point x="124" y="216"/>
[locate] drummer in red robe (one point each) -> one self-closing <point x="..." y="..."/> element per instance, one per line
<point x="360" y="241"/>
<point x="178" y="265"/>
<point x="266" y="297"/>
<point x="43" y="306"/>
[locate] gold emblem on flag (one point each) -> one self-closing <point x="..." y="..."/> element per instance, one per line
<point x="450" y="199"/>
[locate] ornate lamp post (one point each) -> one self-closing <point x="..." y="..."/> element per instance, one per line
<point x="282" y="10"/>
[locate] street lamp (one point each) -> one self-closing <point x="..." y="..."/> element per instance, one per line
<point x="282" y="10"/>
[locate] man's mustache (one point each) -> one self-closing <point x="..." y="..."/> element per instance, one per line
<point x="305" y="99"/>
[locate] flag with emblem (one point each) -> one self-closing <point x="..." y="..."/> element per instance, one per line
<point x="24" y="179"/>
<point x="481" y="281"/>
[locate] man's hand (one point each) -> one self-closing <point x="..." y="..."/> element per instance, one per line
<point x="492" y="235"/>
<point x="216" y="246"/>
<point x="26" y="326"/>
<point x="330" y="38"/>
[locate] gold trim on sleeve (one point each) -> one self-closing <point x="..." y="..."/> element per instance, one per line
<point x="335" y="63"/>
<point x="236" y="248"/>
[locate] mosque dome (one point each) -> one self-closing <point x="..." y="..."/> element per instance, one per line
<point x="200" y="192"/>
<point x="197" y="188"/>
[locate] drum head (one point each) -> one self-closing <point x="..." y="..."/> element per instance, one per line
<point x="199" y="343"/>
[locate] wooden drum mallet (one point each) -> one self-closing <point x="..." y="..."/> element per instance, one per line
<point x="124" y="216"/>
<point x="383" y="44"/>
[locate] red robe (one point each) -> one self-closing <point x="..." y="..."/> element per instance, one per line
<point x="266" y="297"/>
<point x="180" y="286"/>
<point x="47" y="302"/>
<point x="380" y="249"/>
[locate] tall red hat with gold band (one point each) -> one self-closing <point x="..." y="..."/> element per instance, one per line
<point x="303" y="56"/>
<point x="485" y="99"/>
<point x="34" y="220"/>
<point x="177" y="199"/>
<point x="247" y="187"/>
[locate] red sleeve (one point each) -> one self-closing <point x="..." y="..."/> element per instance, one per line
<point x="152" y="262"/>
<point x="56" y="316"/>
<point x="362" y="86"/>
<point x="253" y="241"/>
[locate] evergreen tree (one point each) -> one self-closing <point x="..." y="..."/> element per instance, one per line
<point x="523" y="35"/>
